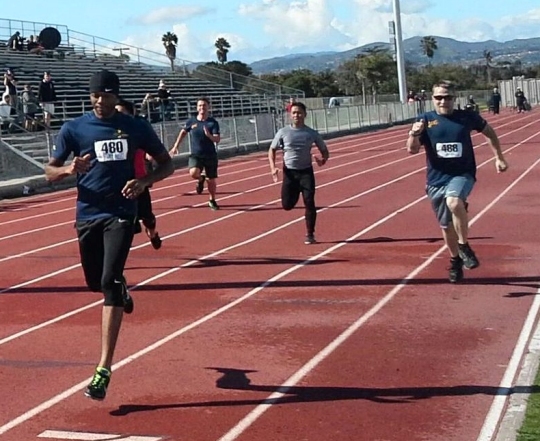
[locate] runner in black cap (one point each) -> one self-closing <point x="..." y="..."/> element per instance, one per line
<point x="103" y="144"/>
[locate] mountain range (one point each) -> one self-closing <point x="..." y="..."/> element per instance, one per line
<point x="449" y="51"/>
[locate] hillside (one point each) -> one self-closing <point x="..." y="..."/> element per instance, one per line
<point x="449" y="51"/>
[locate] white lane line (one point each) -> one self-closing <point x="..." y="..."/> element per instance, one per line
<point x="259" y="410"/>
<point x="225" y="184"/>
<point x="187" y="264"/>
<point x="89" y="436"/>
<point x="498" y="406"/>
<point x="274" y="398"/>
<point x="169" y="213"/>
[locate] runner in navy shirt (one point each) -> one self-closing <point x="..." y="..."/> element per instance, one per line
<point x="445" y="135"/>
<point x="103" y="144"/>
<point x="205" y="136"/>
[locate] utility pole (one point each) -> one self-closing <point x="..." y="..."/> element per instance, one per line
<point x="400" y="60"/>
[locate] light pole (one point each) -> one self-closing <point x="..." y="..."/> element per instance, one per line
<point x="402" y="81"/>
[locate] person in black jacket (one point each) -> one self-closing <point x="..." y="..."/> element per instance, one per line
<point x="520" y="100"/>
<point x="495" y="101"/>
<point x="47" y="97"/>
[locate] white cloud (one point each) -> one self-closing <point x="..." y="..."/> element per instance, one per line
<point x="287" y="27"/>
<point x="172" y="14"/>
<point x="294" y="24"/>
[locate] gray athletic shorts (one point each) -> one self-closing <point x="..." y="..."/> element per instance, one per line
<point x="458" y="186"/>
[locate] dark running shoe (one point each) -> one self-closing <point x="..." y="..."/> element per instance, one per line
<point x="455" y="273"/>
<point x="200" y="185"/>
<point x="126" y="297"/>
<point x="156" y="241"/>
<point x="97" y="389"/>
<point x="310" y="239"/>
<point x="213" y="204"/>
<point x="466" y="253"/>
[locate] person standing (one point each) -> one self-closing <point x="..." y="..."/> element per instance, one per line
<point x="47" y="97"/>
<point x="496" y="101"/>
<point x="445" y="134"/>
<point x="296" y="141"/>
<point x="205" y="135"/>
<point x="30" y="107"/>
<point x="10" y="82"/>
<point x="103" y="143"/>
<point x="520" y="100"/>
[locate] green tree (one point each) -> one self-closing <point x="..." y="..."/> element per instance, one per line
<point x="301" y="79"/>
<point x="347" y="79"/>
<point x="429" y="46"/>
<point x="376" y="69"/>
<point x="222" y="46"/>
<point x="170" y="40"/>
<point x="325" y="84"/>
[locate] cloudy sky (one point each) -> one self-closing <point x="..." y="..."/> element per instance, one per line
<point x="259" y="29"/>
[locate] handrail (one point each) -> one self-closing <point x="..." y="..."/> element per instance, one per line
<point x="153" y="58"/>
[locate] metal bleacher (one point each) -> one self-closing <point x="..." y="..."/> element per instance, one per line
<point x="79" y="55"/>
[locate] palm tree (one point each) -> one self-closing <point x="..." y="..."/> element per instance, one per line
<point x="489" y="59"/>
<point x="429" y="46"/>
<point x="170" y="40"/>
<point x="223" y="47"/>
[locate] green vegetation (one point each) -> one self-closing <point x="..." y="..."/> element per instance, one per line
<point x="530" y="430"/>
<point x="372" y="72"/>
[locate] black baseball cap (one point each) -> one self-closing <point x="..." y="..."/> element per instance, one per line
<point x="105" y="81"/>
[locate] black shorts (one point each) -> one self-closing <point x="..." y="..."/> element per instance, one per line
<point x="104" y="247"/>
<point x="207" y="163"/>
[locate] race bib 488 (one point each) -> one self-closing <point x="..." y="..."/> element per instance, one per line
<point x="111" y="150"/>
<point x="449" y="149"/>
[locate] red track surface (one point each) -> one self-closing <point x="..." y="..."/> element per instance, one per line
<point x="240" y="331"/>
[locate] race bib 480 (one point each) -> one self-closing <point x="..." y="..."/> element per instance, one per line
<point x="111" y="150"/>
<point x="449" y="149"/>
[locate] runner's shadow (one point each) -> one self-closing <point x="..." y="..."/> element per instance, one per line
<point x="260" y="261"/>
<point x="384" y="239"/>
<point x="512" y="282"/>
<point x="307" y="394"/>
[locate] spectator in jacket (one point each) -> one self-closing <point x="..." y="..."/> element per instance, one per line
<point x="47" y="97"/>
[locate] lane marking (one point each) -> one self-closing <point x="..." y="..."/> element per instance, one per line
<point x="274" y="398"/>
<point x="89" y="436"/>
<point x="295" y="378"/>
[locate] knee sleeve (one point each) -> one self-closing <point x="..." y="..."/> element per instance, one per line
<point x="112" y="293"/>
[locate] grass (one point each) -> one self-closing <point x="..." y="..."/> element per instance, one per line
<point x="530" y="430"/>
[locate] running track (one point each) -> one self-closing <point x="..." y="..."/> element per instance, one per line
<point x="242" y="332"/>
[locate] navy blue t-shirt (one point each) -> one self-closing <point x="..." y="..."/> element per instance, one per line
<point x="201" y="145"/>
<point x="111" y="143"/>
<point x="448" y="144"/>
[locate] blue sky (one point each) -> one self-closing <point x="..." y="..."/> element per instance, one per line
<point x="259" y="29"/>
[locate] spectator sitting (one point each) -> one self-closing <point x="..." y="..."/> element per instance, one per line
<point x="30" y="107"/>
<point x="33" y="46"/>
<point x="15" y="42"/>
